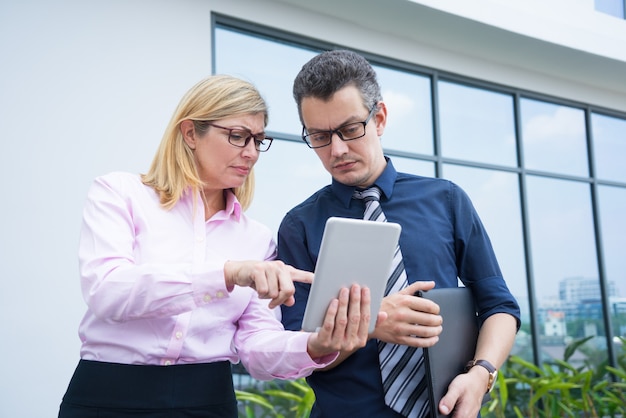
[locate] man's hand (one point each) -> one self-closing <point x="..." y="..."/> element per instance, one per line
<point x="271" y="279"/>
<point x="411" y="320"/>
<point x="465" y="394"/>
<point x="466" y="391"/>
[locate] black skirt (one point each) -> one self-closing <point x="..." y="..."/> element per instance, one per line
<point x="103" y="390"/>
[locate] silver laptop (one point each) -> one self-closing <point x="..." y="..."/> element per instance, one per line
<point x="457" y="342"/>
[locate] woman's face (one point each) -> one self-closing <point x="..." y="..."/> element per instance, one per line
<point x="222" y="165"/>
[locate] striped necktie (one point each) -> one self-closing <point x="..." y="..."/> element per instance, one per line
<point x="404" y="380"/>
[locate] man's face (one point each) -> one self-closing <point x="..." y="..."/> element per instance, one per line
<point x="358" y="162"/>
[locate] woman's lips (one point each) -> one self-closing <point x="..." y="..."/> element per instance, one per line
<point x="244" y="170"/>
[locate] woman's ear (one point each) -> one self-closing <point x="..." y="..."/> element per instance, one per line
<point x="187" y="130"/>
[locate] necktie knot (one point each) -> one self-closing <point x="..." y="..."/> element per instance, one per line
<point x="368" y="195"/>
<point x="371" y="197"/>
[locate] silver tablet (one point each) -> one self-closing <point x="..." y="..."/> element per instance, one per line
<point x="353" y="251"/>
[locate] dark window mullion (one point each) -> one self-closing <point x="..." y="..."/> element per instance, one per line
<point x="597" y="226"/>
<point x="523" y="191"/>
<point x="436" y="126"/>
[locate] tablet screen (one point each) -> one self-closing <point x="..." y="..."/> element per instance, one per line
<point x="353" y="251"/>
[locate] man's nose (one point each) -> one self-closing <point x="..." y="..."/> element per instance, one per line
<point x="337" y="145"/>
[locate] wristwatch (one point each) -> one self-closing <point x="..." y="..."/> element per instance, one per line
<point x="493" y="373"/>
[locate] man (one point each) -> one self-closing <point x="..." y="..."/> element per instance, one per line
<point x="343" y="117"/>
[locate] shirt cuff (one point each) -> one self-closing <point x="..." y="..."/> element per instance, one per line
<point x="207" y="281"/>
<point x="313" y="363"/>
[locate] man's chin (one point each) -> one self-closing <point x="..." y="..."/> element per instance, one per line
<point x="349" y="179"/>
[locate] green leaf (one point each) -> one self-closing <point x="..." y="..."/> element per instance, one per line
<point x="254" y="398"/>
<point x="571" y="349"/>
<point x="503" y="391"/>
<point x="617" y="372"/>
<point x="526" y="364"/>
<point x="283" y="395"/>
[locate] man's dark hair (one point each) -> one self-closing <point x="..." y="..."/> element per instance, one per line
<point x="330" y="71"/>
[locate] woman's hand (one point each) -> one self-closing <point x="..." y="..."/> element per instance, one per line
<point x="346" y="324"/>
<point x="271" y="279"/>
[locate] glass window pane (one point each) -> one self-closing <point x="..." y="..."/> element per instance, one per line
<point x="554" y="138"/>
<point x="409" y="112"/>
<point x="612" y="7"/>
<point x="476" y="124"/>
<point x="612" y="203"/>
<point x="565" y="265"/>
<point x="285" y="176"/>
<point x="275" y="82"/>
<point x="609" y="139"/>
<point x="412" y="166"/>
<point x="495" y="195"/>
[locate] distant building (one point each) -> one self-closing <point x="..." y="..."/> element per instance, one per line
<point x="579" y="299"/>
<point x="583" y="290"/>
<point x="554" y="325"/>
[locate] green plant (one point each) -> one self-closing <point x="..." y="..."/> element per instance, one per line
<point x="279" y="399"/>
<point x="559" y="389"/>
<point x="524" y="390"/>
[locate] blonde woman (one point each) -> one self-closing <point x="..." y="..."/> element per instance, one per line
<point x="179" y="282"/>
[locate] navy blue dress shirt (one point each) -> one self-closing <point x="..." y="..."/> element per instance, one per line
<point x="442" y="239"/>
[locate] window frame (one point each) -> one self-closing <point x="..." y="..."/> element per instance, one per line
<point x="277" y="35"/>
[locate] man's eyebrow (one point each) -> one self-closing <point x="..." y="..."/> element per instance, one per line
<point x="351" y="119"/>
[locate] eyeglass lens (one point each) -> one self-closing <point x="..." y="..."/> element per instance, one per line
<point x="346" y="132"/>
<point x="241" y="138"/>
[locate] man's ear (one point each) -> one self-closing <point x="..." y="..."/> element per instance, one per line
<point x="187" y="130"/>
<point x="381" y="118"/>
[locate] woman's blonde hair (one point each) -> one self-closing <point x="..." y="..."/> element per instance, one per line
<point x="173" y="171"/>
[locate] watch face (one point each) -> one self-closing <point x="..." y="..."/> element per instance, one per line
<point x="492" y="380"/>
<point x="493" y="372"/>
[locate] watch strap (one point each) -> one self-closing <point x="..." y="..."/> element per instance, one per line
<point x="488" y="366"/>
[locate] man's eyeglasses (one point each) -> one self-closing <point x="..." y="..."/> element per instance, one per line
<point x="240" y="137"/>
<point x="347" y="132"/>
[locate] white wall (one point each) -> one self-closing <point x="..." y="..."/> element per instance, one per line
<point x="87" y="87"/>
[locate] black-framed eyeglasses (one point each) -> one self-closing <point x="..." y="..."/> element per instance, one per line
<point x="347" y="132"/>
<point x="240" y="137"/>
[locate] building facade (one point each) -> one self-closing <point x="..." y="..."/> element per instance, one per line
<point x="520" y="102"/>
<point x="517" y="116"/>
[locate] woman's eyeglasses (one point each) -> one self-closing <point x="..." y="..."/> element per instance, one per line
<point x="240" y="137"/>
